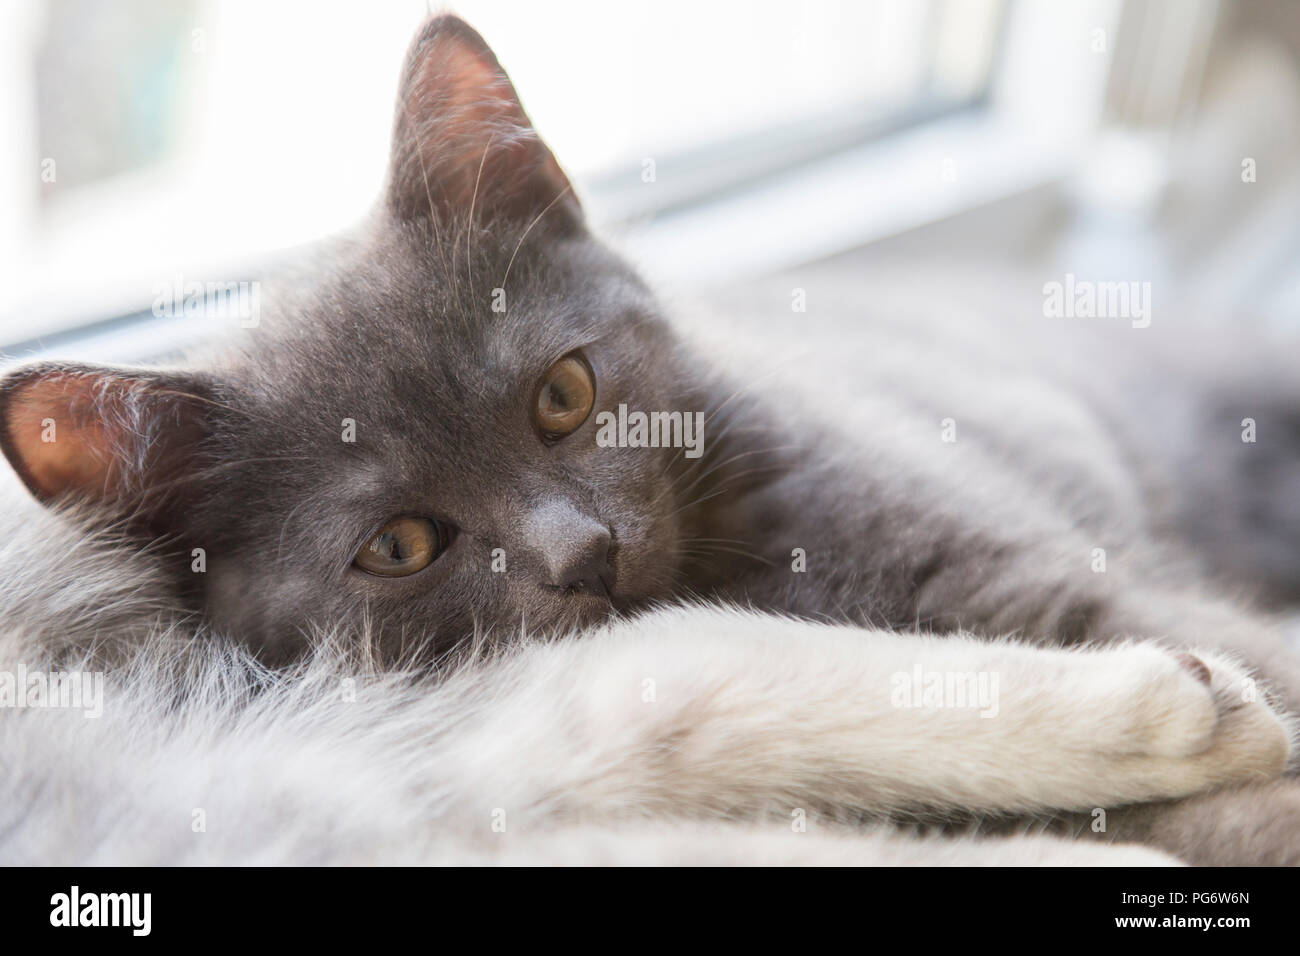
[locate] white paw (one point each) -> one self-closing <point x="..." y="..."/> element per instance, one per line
<point x="1198" y="719"/>
<point x="1168" y="700"/>
<point x="1251" y="736"/>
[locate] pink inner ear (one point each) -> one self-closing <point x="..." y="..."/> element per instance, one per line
<point x="462" y="141"/>
<point x="477" y="92"/>
<point x="80" y="460"/>
<point x="480" y="121"/>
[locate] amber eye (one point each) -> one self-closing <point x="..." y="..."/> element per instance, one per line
<point x="564" y="401"/>
<point x="402" y="547"/>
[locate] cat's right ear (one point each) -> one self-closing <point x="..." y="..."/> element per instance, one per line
<point x="123" y="444"/>
<point x="463" y="145"/>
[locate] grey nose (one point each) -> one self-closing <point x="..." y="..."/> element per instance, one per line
<point x="573" y="548"/>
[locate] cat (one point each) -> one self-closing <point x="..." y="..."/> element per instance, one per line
<point x="405" y="447"/>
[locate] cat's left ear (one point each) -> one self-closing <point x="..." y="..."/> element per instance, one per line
<point x="462" y="144"/>
<point x="119" y="443"/>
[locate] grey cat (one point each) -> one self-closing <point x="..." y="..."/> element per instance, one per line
<point x="409" y="440"/>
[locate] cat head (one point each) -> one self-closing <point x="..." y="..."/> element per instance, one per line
<point x="410" y="438"/>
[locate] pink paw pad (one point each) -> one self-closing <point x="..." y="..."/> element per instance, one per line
<point x="1196" y="667"/>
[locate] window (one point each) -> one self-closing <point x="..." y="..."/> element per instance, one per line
<point x="156" y="138"/>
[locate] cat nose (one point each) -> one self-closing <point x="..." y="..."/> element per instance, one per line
<point x="573" y="548"/>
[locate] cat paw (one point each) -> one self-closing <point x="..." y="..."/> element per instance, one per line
<point x="1200" y="720"/>
<point x="1251" y="737"/>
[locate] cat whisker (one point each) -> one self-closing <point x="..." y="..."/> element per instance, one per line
<point x="469" y="229"/>
<point x="750" y="384"/>
<point x="204" y="400"/>
<point x="160" y="488"/>
<point x="428" y="192"/>
<point x="722" y="489"/>
<point x="519" y="244"/>
<point x="698" y="463"/>
<point x="724" y="463"/>
<point x="284" y="526"/>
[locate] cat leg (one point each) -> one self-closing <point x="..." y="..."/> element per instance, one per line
<point x="699" y="711"/>
<point x="686" y="713"/>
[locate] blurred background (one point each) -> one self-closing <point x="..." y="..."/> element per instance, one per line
<point x="713" y="141"/>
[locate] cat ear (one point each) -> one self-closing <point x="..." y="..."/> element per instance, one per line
<point x="462" y="144"/>
<point x="121" y="441"/>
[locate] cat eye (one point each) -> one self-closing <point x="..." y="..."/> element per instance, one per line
<point x="564" y="401"/>
<point x="402" y="547"/>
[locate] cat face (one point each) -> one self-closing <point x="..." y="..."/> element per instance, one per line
<point x="403" y="396"/>
<point x="408" y="439"/>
